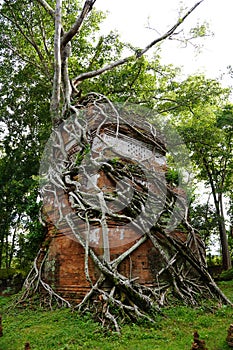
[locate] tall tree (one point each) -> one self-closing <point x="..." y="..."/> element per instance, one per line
<point x="204" y="118"/>
<point x="26" y="72"/>
<point x="26" y="83"/>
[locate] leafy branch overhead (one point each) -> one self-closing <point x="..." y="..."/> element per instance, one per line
<point x="62" y="51"/>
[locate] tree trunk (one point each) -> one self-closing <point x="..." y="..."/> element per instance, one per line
<point x="1" y="250"/>
<point x="218" y="203"/>
<point x="226" y="258"/>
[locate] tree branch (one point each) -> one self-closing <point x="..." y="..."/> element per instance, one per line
<point x="47" y="7"/>
<point x="24" y="59"/>
<point x="92" y="74"/>
<point x="169" y="32"/>
<point x="43" y="34"/>
<point x="138" y="54"/>
<point x="77" y="25"/>
<point x="55" y="101"/>
<point x="30" y="39"/>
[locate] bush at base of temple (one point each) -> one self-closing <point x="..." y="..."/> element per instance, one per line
<point x="11" y="280"/>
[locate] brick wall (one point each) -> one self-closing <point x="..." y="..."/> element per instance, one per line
<point x="64" y="265"/>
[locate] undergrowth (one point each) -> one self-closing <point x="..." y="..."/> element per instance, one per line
<point x="62" y="329"/>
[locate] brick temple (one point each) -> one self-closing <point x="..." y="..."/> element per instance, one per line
<point x="64" y="265"/>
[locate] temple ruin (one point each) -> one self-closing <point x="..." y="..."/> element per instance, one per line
<point x="117" y="229"/>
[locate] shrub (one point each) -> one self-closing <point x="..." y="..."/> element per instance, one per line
<point x="226" y="275"/>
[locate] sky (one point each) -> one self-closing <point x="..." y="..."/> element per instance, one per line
<point x="131" y="17"/>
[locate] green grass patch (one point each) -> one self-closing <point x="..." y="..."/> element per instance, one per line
<point x="66" y="330"/>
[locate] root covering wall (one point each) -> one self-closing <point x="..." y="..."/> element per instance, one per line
<point x="139" y="154"/>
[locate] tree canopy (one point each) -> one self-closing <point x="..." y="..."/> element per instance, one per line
<point x="27" y="47"/>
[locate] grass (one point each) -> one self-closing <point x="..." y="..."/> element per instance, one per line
<point x="66" y="330"/>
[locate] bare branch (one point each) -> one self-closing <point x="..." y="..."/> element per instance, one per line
<point x="100" y="71"/>
<point x="138" y="54"/>
<point x="169" y="32"/>
<point x="77" y="25"/>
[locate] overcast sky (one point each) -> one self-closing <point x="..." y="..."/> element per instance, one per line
<point x="130" y="18"/>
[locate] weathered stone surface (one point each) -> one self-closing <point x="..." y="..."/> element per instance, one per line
<point x="64" y="266"/>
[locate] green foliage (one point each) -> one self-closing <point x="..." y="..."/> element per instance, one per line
<point x="193" y="94"/>
<point x="204" y="220"/>
<point x="226" y="275"/>
<point x="63" y="329"/>
<point x="82" y="154"/>
<point x="143" y="82"/>
<point x="11" y="280"/>
<point x="10" y="273"/>
<point x="200" y="30"/>
<point x="26" y="71"/>
<point x="203" y="118"/>
<point x="172" y="176"/>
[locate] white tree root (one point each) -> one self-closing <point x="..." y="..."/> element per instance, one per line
<point x="183" y="262"/>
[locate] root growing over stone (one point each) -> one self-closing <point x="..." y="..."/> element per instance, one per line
<point x="155" y="208"/>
